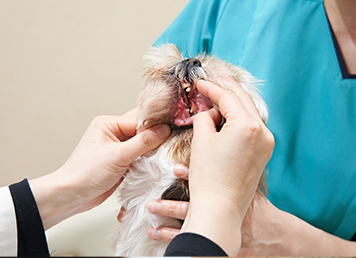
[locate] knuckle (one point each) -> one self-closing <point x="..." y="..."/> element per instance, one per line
<point x="183" y="209"/>
<point x="146" y="139"/>
<point x="171" y="210"/>
<point x="252" y="130"/>
<point x="99" y="120"/>
<point x="171" y="235"/>
<point x="270" y="140"/>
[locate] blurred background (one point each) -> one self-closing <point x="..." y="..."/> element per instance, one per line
<point x="62" y="63"/>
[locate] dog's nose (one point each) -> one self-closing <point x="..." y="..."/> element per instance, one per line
<point x="188" y="70"/>
<point x="191" y="63"/>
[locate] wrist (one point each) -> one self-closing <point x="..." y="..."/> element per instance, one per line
<point x="216" y="220"/>
<point x="55" y="197"/>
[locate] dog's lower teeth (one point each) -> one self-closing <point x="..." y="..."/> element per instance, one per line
<point x="192" y="110"/>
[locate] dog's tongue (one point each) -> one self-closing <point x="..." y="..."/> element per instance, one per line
<point x="187" y="108"/>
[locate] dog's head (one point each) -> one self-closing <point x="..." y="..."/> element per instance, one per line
<point x="170" y="95"/>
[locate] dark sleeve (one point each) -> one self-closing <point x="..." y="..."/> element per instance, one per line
<point x="354" y="238"/>
<point x="30" y="232"/>
<point x="189" y="244"/>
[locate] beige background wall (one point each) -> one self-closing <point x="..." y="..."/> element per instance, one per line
<point x="61" y="64"/>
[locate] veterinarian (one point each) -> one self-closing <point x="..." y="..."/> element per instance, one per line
<point x="304" y="53"/>
<point x="97" y="165"/>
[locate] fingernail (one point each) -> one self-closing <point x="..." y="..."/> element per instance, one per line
<point x="163" y="131"/>
<point x="154" y="207"/>
<point x="120" y="216"/>
<point x="180" y="170"/>
<point x="154" y="234"/>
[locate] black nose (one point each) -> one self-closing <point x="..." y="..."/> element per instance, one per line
<point x="188" y="70"/>
<point x="191" y="63"/>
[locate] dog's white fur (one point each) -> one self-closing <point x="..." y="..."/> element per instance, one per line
<point x="150" y="175"/>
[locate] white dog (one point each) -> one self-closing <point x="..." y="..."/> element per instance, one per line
<point x="169" y="97"/>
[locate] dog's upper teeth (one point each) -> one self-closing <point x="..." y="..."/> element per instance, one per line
<point x="192" y="110"/>
<point x="188" y="89"/>
<point x="186" y="85"/>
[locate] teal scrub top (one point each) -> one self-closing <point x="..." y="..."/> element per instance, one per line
<point x="288" y="44"/>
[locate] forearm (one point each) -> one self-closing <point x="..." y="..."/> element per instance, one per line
<point x="310" y="241"/>
<point x="55" y="197"/>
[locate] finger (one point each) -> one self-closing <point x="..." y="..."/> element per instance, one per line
<point x="173" y="209"/>
<point x="181" y="171"/>
<point x="117" y="128"/>
<point x="122" y="127"/>
<point x="206" y="121"/>
<point x="144" y="142"/>
<point x="229" y="104"/>
<point x="121" y="215"/>
<point x="163" y="234"/>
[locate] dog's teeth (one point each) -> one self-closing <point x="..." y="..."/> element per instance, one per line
<point x="188" y="89"/>
<point x="192" y="110"/>
<point x="186" y="85"/>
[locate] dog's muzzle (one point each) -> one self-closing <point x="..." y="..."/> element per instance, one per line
<point x="190" y="101"/>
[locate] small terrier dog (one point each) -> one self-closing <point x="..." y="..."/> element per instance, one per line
<point x="169" y="97"/>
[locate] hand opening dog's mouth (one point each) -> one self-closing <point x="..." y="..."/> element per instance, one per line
<point x="190" y="103"/>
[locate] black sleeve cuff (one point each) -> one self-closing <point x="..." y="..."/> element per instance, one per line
<point x="189" y="244"/>
<point x="30" y="232"/>
<point x="354" y="238"/>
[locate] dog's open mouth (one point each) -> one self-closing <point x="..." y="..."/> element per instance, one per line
<point x="190" y="103"/>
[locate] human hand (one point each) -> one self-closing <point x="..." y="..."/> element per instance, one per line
<point x="263" y="230"/>
<point x="269" y="231"/>
<point x="95" y="168"/>
<point x="227" y="174"/>
<point x="226" y="166"/>
<point x="266" y="230"/>
<point x="260" y="216"/>
<point x="168" y="208"/>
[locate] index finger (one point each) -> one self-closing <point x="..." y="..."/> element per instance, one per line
<point x="227" y="101"/>
<point x="122" y="127"/>
<point x="168" y="208"/>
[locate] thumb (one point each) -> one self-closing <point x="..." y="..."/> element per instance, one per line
<point x="206" y="121"/>
<point x="145" y="141"/>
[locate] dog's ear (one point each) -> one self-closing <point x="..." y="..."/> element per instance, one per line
<point x="178" y="191"/>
